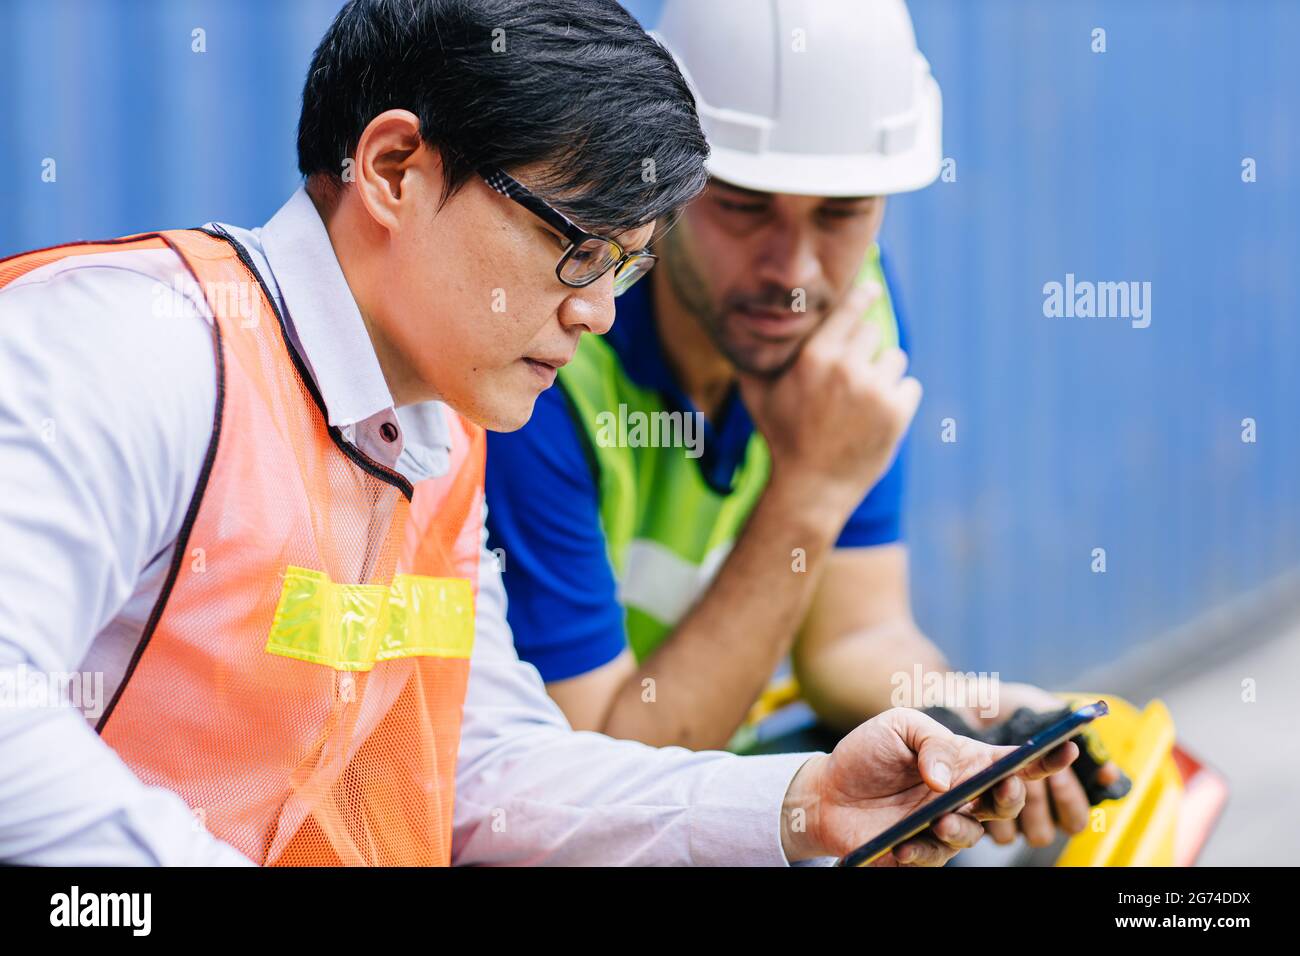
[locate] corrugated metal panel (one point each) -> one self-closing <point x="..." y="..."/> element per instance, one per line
<point x="1073" y="434"/>
<point x="145" y="132"/>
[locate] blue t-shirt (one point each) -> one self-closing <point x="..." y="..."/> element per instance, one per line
<point x="544" y="506"/>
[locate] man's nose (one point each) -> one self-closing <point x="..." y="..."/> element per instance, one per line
<point x="790" y="259"/>
<point x="590" y="308"/>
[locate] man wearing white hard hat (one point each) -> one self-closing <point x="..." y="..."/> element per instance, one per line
<point x="712" y="495"/>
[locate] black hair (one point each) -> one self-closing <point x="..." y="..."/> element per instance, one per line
<point x="574" y="85"/>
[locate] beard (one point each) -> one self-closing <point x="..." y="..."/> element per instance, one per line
<point x="722" y="323"/>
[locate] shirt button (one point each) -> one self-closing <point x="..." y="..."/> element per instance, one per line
<point x="388" y="432"/>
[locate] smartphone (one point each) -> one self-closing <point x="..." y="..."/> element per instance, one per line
<point x="1033" y="748"/>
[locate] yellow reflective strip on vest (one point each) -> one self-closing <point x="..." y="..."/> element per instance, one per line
<point x="350" y="627"/>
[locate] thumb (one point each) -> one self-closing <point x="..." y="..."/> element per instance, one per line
<point x="935" y="747"/>
<point x="935" y="760"/>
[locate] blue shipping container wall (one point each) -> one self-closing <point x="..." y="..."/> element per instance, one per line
<point x="1072" y="434"/>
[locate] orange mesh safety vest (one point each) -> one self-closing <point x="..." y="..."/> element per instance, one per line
<point x="300" y="680"/>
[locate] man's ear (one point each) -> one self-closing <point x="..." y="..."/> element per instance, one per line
<point x="389" y="152"/>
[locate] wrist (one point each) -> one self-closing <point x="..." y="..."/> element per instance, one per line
<point x="819" y="504"/>
<point x="801" y="836"/>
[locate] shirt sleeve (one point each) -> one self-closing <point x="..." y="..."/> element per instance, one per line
<point x="544" y="520"/>
<point x="878" y="518"/>
<point x="105" y="415"/>
<point x="530" y="790"/>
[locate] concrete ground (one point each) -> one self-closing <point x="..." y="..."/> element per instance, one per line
<point x="1255" y="745"/>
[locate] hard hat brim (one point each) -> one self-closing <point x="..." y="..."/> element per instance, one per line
<point x="868" y="174"/>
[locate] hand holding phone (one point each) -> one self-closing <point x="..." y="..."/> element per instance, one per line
<point x="972" y="788"/>
<point x="887" y="769"/>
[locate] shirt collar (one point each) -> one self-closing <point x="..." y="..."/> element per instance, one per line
<point x="294" y="254"/>
<point x="326" y="321"/>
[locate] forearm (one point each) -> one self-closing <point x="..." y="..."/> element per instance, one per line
<point x="870" y="670"/>
<point x="863" y="673"/>
<point x="551" y="796"/>
<point x="530" y="790"/>
<point x="67" y="800"/>
<point x="709" y="671"/>
<point x="83" y="519"/>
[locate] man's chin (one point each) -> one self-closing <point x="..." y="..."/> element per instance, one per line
<point x="499" y="411"/>
<point x="756" y="356"/>
<point x="509" y="416"/>
<point x="764" y="361"/>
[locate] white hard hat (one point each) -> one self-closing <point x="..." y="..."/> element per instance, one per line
<point x="814" y="97"/>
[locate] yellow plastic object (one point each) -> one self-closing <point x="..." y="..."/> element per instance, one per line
<point x="1139" y="829"/>
<point x="781" y="692"/>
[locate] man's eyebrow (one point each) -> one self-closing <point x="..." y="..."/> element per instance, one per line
<point x="765" y="196"/>
<point x="731" y="187"/>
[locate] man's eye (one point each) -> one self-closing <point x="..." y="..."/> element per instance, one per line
<point x="750" y="208"/>
<point x="842" y="214"/>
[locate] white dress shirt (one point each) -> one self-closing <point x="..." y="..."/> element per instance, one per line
<point x="107" y="396"/>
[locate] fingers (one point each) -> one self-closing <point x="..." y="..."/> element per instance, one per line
<point x="1037" y="804"/>
<point x="1058" y="800"/>
<point x="846" y="319"/>
<point x="909" y="397"/>
<point x="888" y="371"/>
<point x="1002" y="802"/>
<point x="1070" y="802"/>
<point x="1036" y="817"/>
<point x="951" y="833"/>
<point x="957" y="830"/>
<point x="891" y="364"/>
<point x="1052" y="762"/>
<point x="938" y="751"/>
<point x="1108" y="773"/>
<point x="924" y="851"/>
<point x="1002" y="831"/>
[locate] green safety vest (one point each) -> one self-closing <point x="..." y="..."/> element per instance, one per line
<point x="666" y="530"/>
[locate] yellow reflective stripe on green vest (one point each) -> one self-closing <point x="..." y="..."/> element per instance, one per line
<point x="350" y="627"/>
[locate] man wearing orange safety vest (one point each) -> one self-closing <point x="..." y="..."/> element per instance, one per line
<point x="243" y="493"/>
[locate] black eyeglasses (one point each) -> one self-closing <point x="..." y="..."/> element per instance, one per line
<point x="588" y="256"/>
